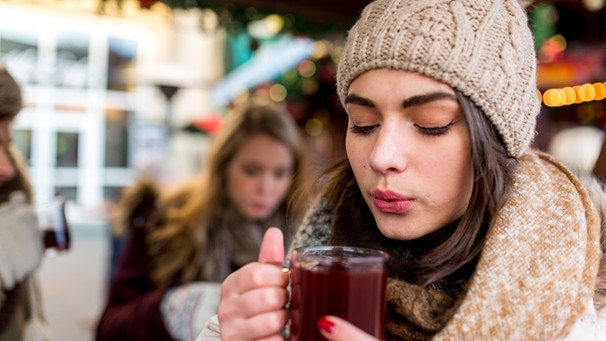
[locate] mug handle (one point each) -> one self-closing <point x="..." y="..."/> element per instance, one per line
<point x="285" y="266"/>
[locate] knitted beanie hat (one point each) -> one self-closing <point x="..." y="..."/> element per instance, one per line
<point x="483" y="48"/>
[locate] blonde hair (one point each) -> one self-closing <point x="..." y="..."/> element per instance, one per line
<point x="179" y="241"/>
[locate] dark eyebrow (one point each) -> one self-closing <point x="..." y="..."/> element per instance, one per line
<point x="355" y="99"/>
<point x="407" y="103"/>
<point x="426" y="98"/>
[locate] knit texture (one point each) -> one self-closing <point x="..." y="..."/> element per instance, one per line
<point x="537" y="271"/>
<point x="483" y="48"/>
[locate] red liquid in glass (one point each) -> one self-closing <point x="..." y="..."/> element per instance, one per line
<point x="58" y="240"/>
<point x="358" y="297"/>
<point x="56" y="236"/>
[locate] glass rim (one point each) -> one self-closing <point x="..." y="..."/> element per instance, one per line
<point x="353" y="254"/>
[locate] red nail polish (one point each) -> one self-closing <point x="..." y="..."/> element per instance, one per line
<point x="326" y="325"/>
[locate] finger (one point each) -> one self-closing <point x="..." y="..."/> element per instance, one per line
<point x="336" y="329"/>
<point x="253" y="302"/>
<point x="272" y="247"/>
<point x="265" y="326"/>
<point x="253" y="276"/>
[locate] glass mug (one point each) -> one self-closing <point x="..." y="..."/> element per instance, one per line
<point x="53" y="224"/>
<point x="348" y="282"/>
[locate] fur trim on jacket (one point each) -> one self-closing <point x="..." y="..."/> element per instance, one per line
<point x="135" y="206"/>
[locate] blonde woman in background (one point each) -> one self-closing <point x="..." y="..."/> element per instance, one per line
<point x="182" y="243"/>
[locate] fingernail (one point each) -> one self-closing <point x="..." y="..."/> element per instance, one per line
<point x="326" y="325"/>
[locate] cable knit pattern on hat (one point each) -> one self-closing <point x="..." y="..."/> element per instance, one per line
<point x="482" y="48"/>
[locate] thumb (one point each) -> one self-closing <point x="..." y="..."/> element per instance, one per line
<point x="272" y="247"/>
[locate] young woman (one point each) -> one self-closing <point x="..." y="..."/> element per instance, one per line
<point x="488" y="239"/>
<point x="183" y="242"/>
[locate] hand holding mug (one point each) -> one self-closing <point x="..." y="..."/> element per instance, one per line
<point x="342" y="281"/>
<point x="254" y="298"/>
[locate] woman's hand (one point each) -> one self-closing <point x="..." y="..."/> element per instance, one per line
<point x="254" y="298"/>
<point x="336" y="329"/>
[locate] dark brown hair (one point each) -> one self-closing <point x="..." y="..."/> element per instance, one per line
<point x="492" y="181"/>
<point x="10" y="106"/>
<point x="10" y="95"/>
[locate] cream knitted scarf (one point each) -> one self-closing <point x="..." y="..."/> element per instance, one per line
<point x="537" y="270"/>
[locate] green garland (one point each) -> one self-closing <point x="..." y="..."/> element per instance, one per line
<point x="236" y="17"/>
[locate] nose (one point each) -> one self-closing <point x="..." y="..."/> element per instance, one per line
<point x="7" y="168"/>
<point x="266" y="184"/>
<point x="390" y="150"/>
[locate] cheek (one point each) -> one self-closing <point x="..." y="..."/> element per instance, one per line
<point x="237" y="184"/>
<point x="282" y="187"/>
<point x="453" y="178"/>
<point x="356" y="154"/>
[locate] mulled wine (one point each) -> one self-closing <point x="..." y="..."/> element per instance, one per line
<point x="54" y="226"/>
<point x="341" y="281"/>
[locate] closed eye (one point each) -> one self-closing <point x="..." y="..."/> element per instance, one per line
<point x="435" y="131"/>
<point x="362" y="130"/>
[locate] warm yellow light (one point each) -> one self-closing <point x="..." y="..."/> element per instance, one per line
<point x="275" y="23"/>
<point x="320" y="49"/>
<point x="588" y="92"/>
<point x="553" y="98"/>
<point x="268" y="27"/>
<point x="573" y="95"/>
<point x="578" y="98"/>
<point x="600" y="91"/>
<point x="570" y="96"/>
<point x="277" y="92"/>
<point x="307" y="68"/>
<point x="314" y="127"/>
<point x="594" y="5"/>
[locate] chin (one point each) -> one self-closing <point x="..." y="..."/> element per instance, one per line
<point x="399" y="230"/>
<point x="256" y="215"/>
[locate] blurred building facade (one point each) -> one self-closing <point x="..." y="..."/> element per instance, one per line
<point x="94" y="114"/>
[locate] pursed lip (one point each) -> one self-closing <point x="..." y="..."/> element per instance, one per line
<point x="391" y="202"/>
<point x="260" y="205"/>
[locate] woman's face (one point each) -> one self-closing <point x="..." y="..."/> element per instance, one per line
<point x="408" y="145"/>
<point x="7" y="169"/>
<point x="259" y="176"/>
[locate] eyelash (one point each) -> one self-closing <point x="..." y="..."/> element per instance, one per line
<point x="436" y="131"/>
<point x="430" y="131"/>
<point x="362" y="130"/>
